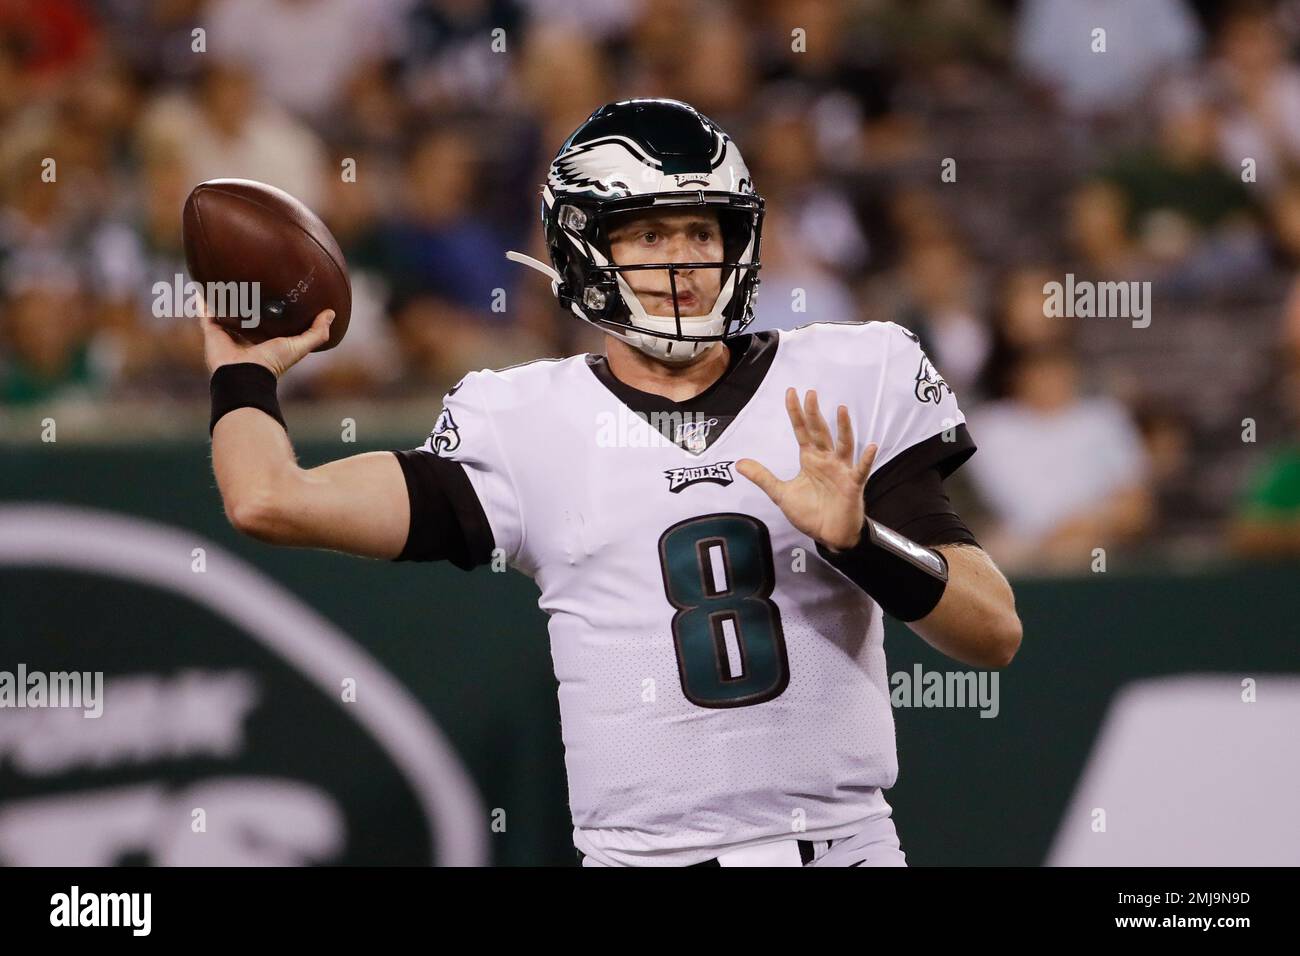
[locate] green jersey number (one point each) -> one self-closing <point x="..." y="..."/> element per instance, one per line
<point x="718" y="573"/>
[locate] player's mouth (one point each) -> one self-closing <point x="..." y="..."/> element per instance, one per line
<point x="684" y="300"/>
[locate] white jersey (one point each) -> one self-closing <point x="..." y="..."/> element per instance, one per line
<point x="720" y="684"/>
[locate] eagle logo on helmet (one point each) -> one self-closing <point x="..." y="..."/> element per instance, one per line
<point x="601" y="166"/>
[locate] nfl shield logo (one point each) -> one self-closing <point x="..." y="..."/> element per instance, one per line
<point x="694" y="436"/>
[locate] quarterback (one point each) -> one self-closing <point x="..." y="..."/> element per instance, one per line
<point x="715" y="572"/>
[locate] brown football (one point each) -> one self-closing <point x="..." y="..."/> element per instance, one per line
<point x="240" y="231"/>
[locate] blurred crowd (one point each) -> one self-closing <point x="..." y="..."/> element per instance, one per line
<point x="931" y="162"/>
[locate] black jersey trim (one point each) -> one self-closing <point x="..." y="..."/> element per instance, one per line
<point x="447" y="519"/>
<point x="751" y="356"/>
<point x="918" y="508"/>
<point x="933" y="452"/>
<point x="907" y="493"/>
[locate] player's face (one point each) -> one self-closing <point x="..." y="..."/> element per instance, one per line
<point x="671" y="236"/>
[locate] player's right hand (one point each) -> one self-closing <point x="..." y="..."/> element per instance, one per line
<point x="221" y="347"/>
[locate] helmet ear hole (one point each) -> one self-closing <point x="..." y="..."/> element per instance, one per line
<point x="573" y="218"/>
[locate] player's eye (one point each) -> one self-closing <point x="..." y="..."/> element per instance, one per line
<point x="649" y="237"/>
<point x="705" y="235"/>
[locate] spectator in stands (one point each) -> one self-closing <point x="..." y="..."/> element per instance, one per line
<point x="844" y="56"/>
<point x="607" y="21"/>
<point x="1189" y="224"/>
<point x="1055" y="46"/>
<point x="819" y="213"/>
<point x="1020" y="324"/>
<point x="811" y="239"/>
<point x="1061" y="474"/>
<point x="451" y="281"/>
<point x="440" y="245"/>
<point x="797" y="287"/>
<point x="13" y="83"/>
<point x="1284" y="218"/>
<point x="44" y="225"/>
<point x="141" y="351"/>
<point x="155" y="39"/>
<point x="1258" y="91"/>
<point x="368" y="361"/>
<point x="1267" y="521"/>
<point x="1167" y="437"/>
<point x="557" y="101"/>
<point x="453" y="58"/>
<point x="373" y="117"/>
<point x="941" y="304"/>
<point x="302" y="53"/>
<point x="1097" y="229"/>
<point x="1179" y="176"/>
<point x="230" y="131"/>
<point x="46" y="339"/>
<point x="1290" y="344"/>
<point x="49" y="39"/>
<point x="715" y="72"/>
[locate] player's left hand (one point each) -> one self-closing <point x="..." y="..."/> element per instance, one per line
<point x="824" y="500"/>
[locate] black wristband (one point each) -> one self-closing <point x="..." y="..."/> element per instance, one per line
<point x="904" y="578"/>
<point x="243" y="385"/>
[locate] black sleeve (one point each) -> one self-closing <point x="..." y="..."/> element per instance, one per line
<point x="907" y="493"/>
<point x="447" y="519"/>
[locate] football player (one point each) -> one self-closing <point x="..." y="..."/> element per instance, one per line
<point x="714" y="554"/>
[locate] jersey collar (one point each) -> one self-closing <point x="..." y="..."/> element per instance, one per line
<point x="713" y="409"/>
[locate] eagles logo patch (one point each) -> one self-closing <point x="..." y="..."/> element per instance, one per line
<point x="445" y="436"/>
<point x="929" y="383"/>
